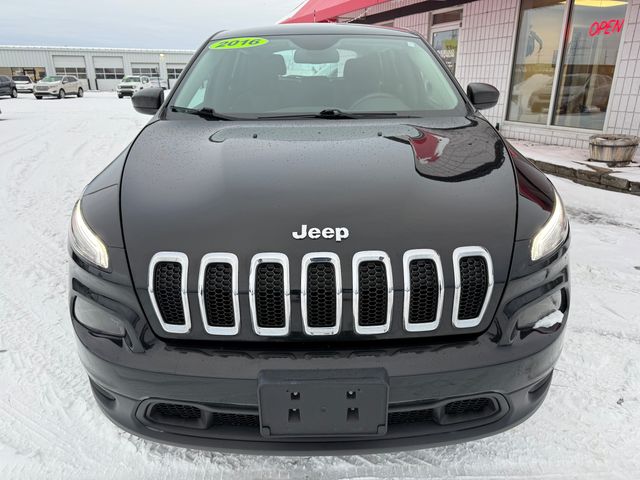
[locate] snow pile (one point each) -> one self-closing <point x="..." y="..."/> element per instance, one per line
<point x="50" y="427"/>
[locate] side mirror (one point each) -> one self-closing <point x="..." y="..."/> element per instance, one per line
<point x="483" y="95"/>
<point x="148" y="100"/>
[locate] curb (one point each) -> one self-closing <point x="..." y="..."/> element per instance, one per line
<point x="598" y="177"/>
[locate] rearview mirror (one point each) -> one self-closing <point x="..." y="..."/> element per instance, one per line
<point x="148" y="100"/>
<point x="483" y="95"/>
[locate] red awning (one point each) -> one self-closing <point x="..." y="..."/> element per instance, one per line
<point x="327" y="10"/>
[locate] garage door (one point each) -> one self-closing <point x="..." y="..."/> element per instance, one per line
<point x="173" y="72"/>
<point x="148" y="69"/>
<point x="71" y="65"/>
<point x="109" y="72"/>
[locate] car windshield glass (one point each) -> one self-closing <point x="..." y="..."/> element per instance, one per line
<point x="21" y="78"/>
<point x="52" y="78"/>
<point x="130" y="79"/>
<point x="307" y="74"/>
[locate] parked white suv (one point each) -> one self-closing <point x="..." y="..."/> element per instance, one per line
<point x="23" y="83"/>
<point x="131" y="85"/>
<point x="58" y="86"/>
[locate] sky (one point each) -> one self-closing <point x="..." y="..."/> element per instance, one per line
<point x="173" y="24"/>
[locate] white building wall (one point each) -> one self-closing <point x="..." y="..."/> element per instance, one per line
<point x="24" y="56"/>
<point x="484" y="48"/>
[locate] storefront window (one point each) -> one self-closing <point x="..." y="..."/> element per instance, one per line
<point x="535" y="60"/>
<point x="589" y="62"/>
<point x="586" y="62"/>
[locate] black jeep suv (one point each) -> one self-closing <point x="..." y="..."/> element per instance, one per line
<point x="318" y="244"/>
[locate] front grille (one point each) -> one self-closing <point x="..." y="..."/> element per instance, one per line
<point x="42" y="89"/>
<point x="167" y="281"/>
<point x="373" y="298"/>
<point x="177" y="410"/>
<point x="321" y="295"/>
<point x="269" y="293"/>
<point x="218" y="295"/>
<point x="473" y="286"/>
<point x="423" y="291"/>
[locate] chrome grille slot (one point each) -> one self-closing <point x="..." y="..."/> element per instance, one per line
<point x="423" y="290"/>
<point x="321" y="293"/>
<point x="269" y="295"/>
<point x="473" y="274"/>
<point x="167" y="287"/>
<point x="372" y="292"/>
<point x="218" y="293"/>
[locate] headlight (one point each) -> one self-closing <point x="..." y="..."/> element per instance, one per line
<point x="85" y="242"/>
<point x="552" y="234"/>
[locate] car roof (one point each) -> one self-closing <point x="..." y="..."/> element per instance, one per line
<point x="314" y="29"/>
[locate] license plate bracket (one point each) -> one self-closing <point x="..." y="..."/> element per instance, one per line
<point x="319" y="403"/>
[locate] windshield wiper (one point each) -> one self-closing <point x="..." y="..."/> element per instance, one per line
<point x="337" y="114"/>
<point x="204" y="112"/>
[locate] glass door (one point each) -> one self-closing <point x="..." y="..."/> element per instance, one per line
<point x="445" y="41"/>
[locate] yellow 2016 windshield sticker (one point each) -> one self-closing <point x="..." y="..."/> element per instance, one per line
<point x="244" y="42"/>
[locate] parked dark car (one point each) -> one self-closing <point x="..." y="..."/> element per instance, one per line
<point x="8" y="87"/>
<point x="290" y="261"/>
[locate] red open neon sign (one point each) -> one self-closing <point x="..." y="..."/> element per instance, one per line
<point x="606" y="26"/>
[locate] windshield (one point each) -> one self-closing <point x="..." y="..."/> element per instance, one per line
<point x="131" y="80"/>
<point x="21" y="78"/>
<point x="306" y="74"/>
<point x="52" y="78"/>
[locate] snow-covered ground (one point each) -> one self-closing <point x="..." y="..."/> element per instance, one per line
<point x="50" y="427"/>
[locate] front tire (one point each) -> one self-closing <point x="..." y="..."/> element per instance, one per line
<point x="119" y="96"/>
<point x="14" y="93"/>
<point x="80" y="92"/>
<point x="61" y="94"/>
<point x="38" y="97"/>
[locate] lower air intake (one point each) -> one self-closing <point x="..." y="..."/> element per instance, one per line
<point x="470" y="406"/>
<point x="176" y="411"/>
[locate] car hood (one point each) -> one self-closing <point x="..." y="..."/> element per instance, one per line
<point x="199" y="186"/>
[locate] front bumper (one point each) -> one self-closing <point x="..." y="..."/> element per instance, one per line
<point x="46" y="93"/>
<point x="226" y="382"/>
<point x="126" y="93"/>
<point x="24" y="89"/>
<point x="508" y="366"/>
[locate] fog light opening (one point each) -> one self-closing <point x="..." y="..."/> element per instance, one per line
<point x="97" y="319"/>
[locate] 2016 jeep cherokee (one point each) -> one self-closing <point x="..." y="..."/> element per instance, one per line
<point x="318" y="244"/>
